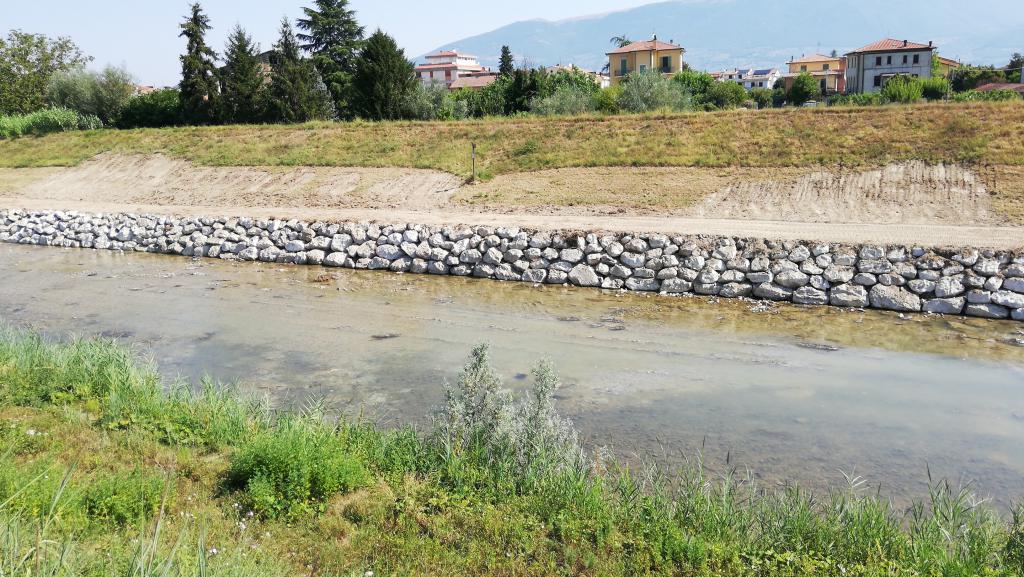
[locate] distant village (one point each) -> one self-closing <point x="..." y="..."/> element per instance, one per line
<point x="865" y="70"/>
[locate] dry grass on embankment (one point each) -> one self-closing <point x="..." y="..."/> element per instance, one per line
<point x="981" y="133"/>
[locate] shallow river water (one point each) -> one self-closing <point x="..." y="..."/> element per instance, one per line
<point x="792" y="394"/>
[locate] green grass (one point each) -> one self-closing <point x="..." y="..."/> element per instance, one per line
<point x="102" y="472"/>
<point x="870" y="136"/>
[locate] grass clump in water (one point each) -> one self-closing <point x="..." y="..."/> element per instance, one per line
<point x="104" y="470"/>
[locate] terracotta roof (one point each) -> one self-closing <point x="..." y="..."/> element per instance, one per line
<point x="472" y="81"/>
<point x="812" y="58"/>
<point x="1016" y="87"/>
<point x="449" y="54"/>
<point x="948" y="62"/>
<point x="645" y="46"/>
<point x="889" y="45"/>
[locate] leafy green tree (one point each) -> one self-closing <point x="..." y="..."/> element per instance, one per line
<point x="383" y="79"/>
<point x="243" y="81"/>
<point x="27" y="63"/>
<point x="935" y="88"/>
<point x="297" y="92"/>
<point x="725" y="95"/>
<point x="970" y="77"/>
<point x="506" y="64"/>
<point x="333" y="37"/>
<point x="696" y="83"/>
<point x="101" y="94"/>
<point x="649" y="91"/>
<point x="571" y="78"/>
<point x="524" y="87"/>
<point x="199" y="89"/>
<point x="804" y="88"/>
<point x="1013" y="69"/>
<point x="762" y="96"/>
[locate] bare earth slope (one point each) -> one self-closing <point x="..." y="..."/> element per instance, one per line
<point x="909" y="202"/>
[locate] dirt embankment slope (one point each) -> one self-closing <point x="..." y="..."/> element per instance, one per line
<point x="910" y="202"/>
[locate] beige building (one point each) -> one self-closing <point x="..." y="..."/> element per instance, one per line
<point x="649" y="55"/>
<point x="829" y="71"/>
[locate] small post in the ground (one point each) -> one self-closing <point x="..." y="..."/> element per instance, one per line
<point x="473" y="179"/>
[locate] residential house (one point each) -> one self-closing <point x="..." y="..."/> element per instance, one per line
<point x="649" y="55"/>
<point x="829" y="71"/>
<point x="474" y="80"/>
<point x="750" y="78"/>
<point x="447" y="67"/>
<point x="946" y="66"/>
<point x="869" y="68"/>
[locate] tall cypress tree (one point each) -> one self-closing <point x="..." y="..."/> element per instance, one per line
<point x="383" y="80"/>
<point x="243" y="81"/>
<point x="198" y="86"/>
<point x="333" y="38"/>
<point x="297" y="93"/>
<point x="506" y="65"/>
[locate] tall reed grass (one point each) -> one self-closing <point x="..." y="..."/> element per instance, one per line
<point x="45" y="122"/>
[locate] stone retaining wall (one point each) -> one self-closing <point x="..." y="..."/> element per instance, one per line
<point x="975" y="282"/>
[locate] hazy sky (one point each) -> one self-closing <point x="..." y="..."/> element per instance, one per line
<point x="142" y="35"/>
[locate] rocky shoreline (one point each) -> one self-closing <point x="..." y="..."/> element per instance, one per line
<point x="976" y="282"/>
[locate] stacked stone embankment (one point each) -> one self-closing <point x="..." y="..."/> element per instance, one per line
<point x="970" y="281"/>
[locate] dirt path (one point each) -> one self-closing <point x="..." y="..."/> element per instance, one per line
<point x="907" y="204"/>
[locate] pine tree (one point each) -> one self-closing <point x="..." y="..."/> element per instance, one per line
<point x="383" y="79"/>
<point x="507" y="65"/>
<point x="243" y="81"/>
<point x="297" y="93"/>
<point x="333" y="38"/>
<point x="198" y="86"/>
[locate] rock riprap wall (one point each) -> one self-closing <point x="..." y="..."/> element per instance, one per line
<point x="970" y="281"/>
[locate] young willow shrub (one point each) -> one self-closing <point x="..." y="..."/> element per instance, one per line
<point x="935" y="88"/>
<point x="486" y="424"/>
<point x="566" y="101"/>
<point x="435" y="102"/>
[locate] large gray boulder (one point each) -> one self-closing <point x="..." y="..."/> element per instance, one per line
<point x="849" y="295"/>
<point x="583" y="275"/>
<point x="946" y="306"/>
<point x="894" y="298"/>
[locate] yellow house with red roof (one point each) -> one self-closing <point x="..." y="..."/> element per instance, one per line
<point x="649" y="55"/>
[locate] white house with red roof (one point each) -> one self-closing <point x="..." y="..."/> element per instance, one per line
<point x="870" y="67"/>
<point x="448" y="66"/>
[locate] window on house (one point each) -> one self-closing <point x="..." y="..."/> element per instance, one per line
<point x="917" y="59"/>
<point x="888" y="60"/>
<point x="803" y="68"/>
<point x="623" y="67"/>
<point x="878" y="81"/>
<point x="825" y="66"/>
<point x="878" y="61"/>
<point x="447" y="74"/>
<point x="643" y="68"/>
<point x="666" y="64"/>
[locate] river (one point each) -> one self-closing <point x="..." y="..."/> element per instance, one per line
<point x="793" y="394"/>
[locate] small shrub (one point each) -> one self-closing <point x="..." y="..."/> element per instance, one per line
<point x="903" y="90"/>
<point x="804" y="88"/>
<point x="435" y="102"/>
<point x="99" y="94"/>
<point x="122" y="498"/>
<point x="606" y="101"/>
<point x="990" y="96"/>
<point x="294" y="468"/>
<point x="935" y="88"/>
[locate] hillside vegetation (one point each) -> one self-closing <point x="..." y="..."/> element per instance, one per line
<point x="103" y="472"/>
<point x="976" y="133"/>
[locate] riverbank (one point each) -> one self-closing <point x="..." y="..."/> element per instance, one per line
<point x="977" y="282"/>
<point x="107" y="471"/>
